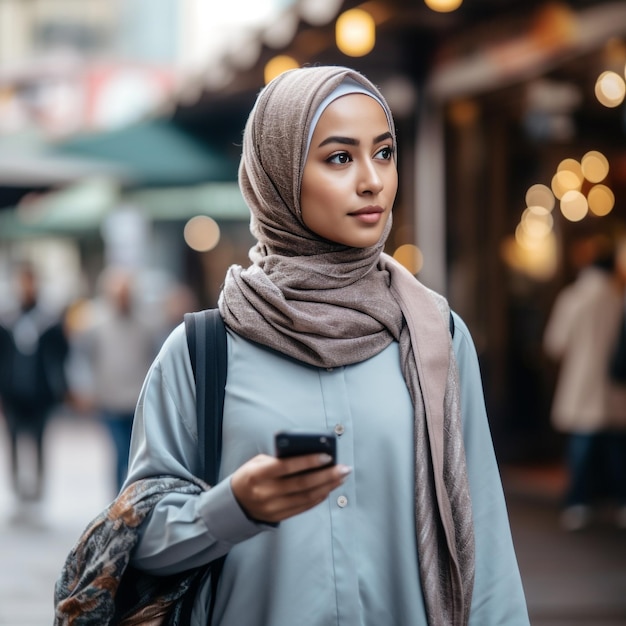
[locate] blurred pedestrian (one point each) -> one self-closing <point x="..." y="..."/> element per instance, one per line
<point x="33" y="354"/>
<point x="588" y="406"/>
<point x="118" y="346"/>
<point x="326" y="332"/>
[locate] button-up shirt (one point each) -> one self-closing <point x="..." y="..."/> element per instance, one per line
<point x="350" y="561"/>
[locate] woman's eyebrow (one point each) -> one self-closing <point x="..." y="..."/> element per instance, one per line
<point x="349" y="141"/>
<point x="382" y="137"/>
<point x="335" y="139"/>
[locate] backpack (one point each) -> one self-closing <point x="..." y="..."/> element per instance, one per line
<point x="98" y="586"/>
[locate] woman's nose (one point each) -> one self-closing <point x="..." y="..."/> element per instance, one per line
<point x="370" y="181"/>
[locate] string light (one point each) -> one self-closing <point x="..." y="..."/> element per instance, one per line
<point x="574" y="206"/>
<point x="540" y="195"/>
<point x="601" y="200"/>
<point x="277" y="65"/>
<point x="355" y="32"/>
<point x="443" y="6"/>
<point x="610" y="89"/>
<point x="595" y="166"/>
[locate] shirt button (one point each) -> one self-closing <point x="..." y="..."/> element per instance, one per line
<point x="342" y="501"/>
<point x="339" y="429"/>
<point x="330" y="369"/>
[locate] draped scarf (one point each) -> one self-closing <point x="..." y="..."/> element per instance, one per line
<point x="330" y="305"/>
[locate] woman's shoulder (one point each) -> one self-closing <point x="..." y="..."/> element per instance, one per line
<point x="173" y="356"/>
<point x="458" y="326"/>
<point x="462" y="340"/>
<point x="175" y="341"/>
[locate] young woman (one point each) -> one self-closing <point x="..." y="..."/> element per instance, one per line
<point x="327" y="333"/>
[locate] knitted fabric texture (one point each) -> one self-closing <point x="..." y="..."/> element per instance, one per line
<point x="331" y="305"/>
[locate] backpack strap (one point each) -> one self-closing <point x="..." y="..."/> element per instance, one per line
<point x="206" y="340"/>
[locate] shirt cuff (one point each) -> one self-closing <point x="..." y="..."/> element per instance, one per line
<point x="224" y="518"/>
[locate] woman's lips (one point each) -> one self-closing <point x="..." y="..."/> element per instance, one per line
<point x="369" y="214"/>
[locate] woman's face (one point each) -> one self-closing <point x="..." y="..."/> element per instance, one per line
<point x="350" y="178"/>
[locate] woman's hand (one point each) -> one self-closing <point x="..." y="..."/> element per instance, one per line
<point x="271" y="490"/>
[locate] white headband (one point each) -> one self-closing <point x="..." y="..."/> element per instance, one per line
<point x="348" y="86"/>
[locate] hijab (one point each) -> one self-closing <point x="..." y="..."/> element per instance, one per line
<point x="330" y="305"/>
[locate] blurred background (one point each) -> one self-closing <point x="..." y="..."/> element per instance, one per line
<point x="120" y="132"/>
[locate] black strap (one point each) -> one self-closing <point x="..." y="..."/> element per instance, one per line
<point x="206" y="339"/>
<point x="451" y="325"/>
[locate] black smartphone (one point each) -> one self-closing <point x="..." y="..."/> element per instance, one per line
<point x="296" y="443"/>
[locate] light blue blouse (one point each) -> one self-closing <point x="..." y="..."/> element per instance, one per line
<point x="352" y="560"/>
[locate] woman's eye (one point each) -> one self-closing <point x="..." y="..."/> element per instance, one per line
<point x="340" y="158"/>
<point x="384" y="153"/>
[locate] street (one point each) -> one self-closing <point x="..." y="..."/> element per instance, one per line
<point x="35" y="539"/>
<point x="571" y="579"/>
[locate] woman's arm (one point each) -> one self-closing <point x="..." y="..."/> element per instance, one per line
<point x="183" y="531"/>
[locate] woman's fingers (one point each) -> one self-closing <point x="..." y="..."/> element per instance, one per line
<point x="270" y="489"/>
<point x="305" y="462"/>
<point x="296" y="495"/>
<point x="271" y="467"/>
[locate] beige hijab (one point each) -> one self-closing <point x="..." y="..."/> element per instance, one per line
<point x="330" y="305"/>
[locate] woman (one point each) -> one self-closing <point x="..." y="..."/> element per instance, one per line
<point x="322" y="332"/>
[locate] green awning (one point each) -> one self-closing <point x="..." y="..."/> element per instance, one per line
<point x="155" y="153"/>
<point x="76" y="209"/>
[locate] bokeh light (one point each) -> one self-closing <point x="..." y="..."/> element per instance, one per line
<point x="571" y="165"/>
<point x="277" y="65"/>
<point x="610" y="89"/>
<point x="574" y="206"/>
<point x="595" y="166"/>
<point x="540" y="196"/>
<point x="355" y="32"/>
<point x="443" y="6"/>
<point x="601" y="200"/>
<point x="537" y="258"/>
<point x="536" y="222"/>
<point x="202" y="233"/>
<point x="410" y="256"/>
<point x="564" y="181"/>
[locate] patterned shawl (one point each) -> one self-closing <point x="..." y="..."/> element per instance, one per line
<point x="98" y="585"/>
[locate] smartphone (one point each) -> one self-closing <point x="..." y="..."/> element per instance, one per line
<point x="296" y="443"/>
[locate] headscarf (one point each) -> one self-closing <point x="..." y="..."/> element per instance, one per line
<point x="329" y="305"/>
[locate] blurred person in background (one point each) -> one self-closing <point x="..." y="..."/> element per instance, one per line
<point x="117" y="346"/>
<point x="588" y="406"/>
<point x="33" y="355"/>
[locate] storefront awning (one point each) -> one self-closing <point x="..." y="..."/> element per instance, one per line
<point x="154" y="153"/>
